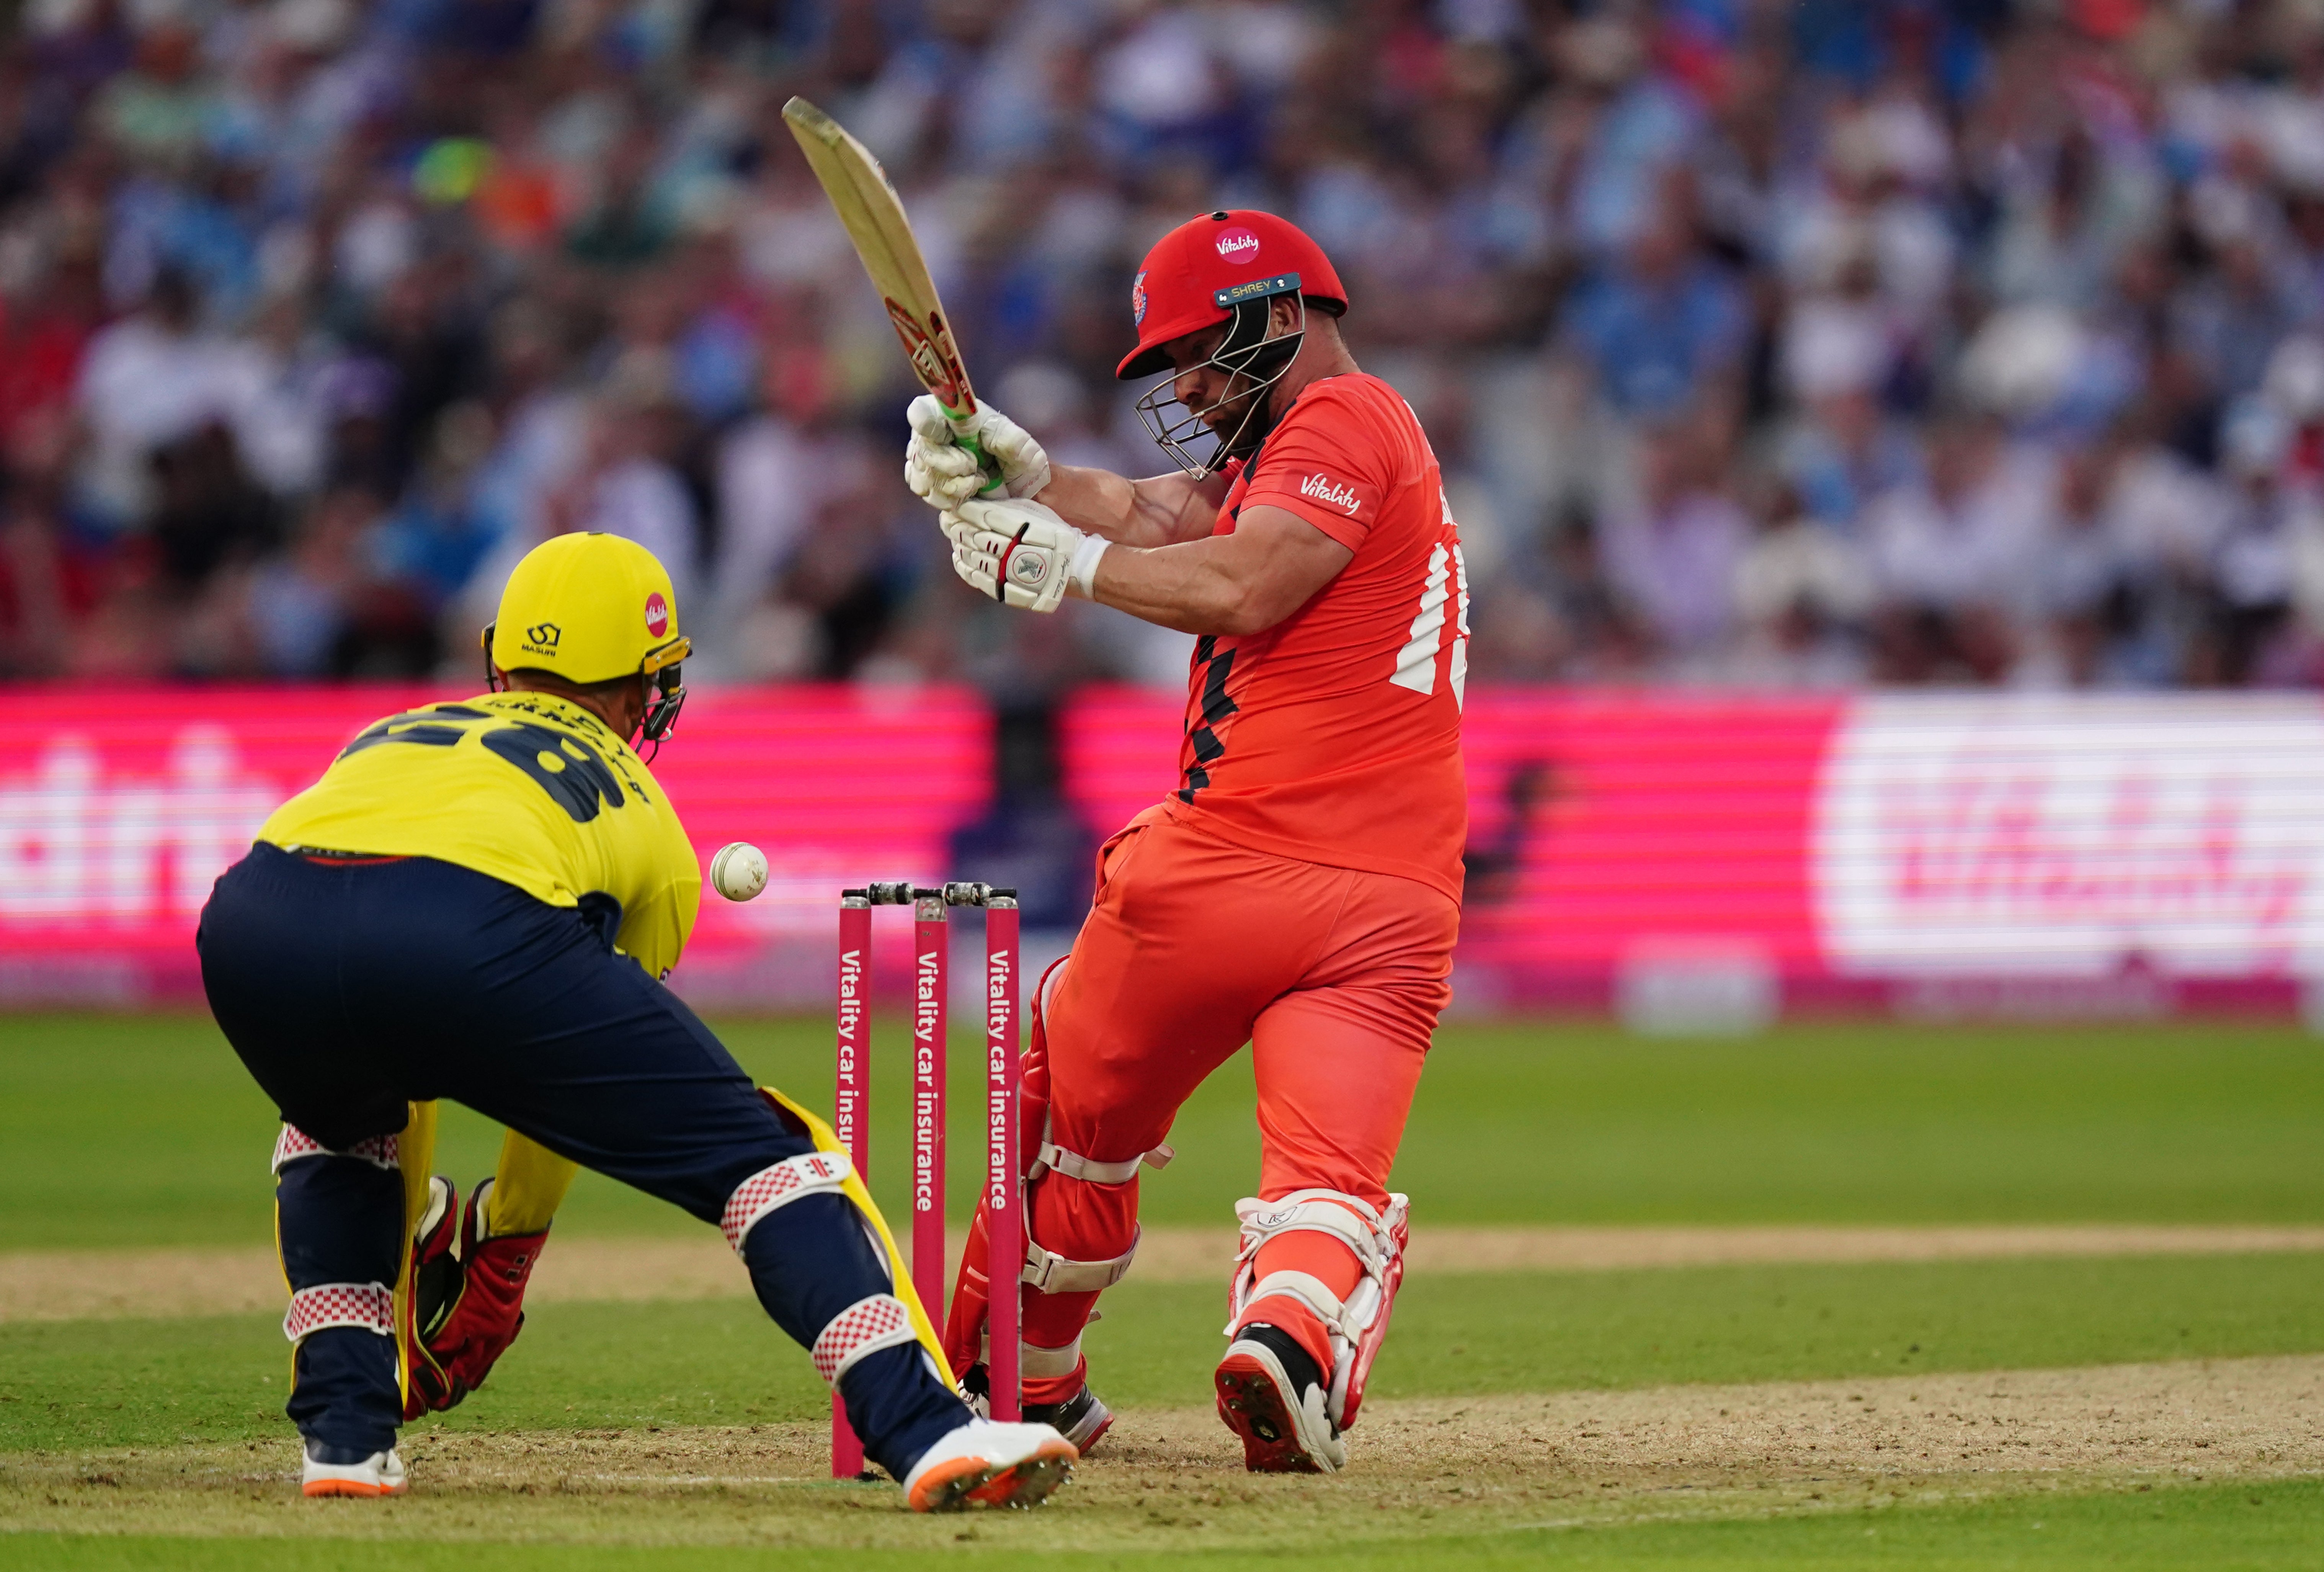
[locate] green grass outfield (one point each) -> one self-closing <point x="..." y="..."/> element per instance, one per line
<point x="2213" y="1527"/>
<point x="145" y="1131"/>
<point x="124" y="1133"/>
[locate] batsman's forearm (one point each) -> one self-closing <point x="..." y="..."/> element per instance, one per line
<point x="1191" y="586"/>
<point x="1155" y="511"/>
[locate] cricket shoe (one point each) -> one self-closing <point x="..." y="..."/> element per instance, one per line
<point x="1081" y="1418"/>
<point x="1271" y="1394"/>
<point x="344" y="1470"/>
<point x="999" y="1464"/>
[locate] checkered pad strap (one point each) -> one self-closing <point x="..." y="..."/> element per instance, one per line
<point x="293" y="1144"/>
<point x="368" y="1305"/>
<point x="864" y="1327"/>
<point x="808" y="1174"/>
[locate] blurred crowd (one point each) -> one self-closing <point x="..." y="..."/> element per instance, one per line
<point x="1817" y="342"/>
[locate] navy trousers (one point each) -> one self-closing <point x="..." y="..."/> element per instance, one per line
<point x="351" y="990"/>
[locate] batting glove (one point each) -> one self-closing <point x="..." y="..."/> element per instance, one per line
<point x="948" y="462"/>
<point x="1021" y="553"/>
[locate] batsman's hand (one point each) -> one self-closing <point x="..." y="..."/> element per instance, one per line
<point x="1021" y="553"/>
<point x="941" y="461"/>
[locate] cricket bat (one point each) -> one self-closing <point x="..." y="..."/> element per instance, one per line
<point x="867" y="204"/>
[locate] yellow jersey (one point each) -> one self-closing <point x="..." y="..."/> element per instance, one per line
<point x="527" y="788"/>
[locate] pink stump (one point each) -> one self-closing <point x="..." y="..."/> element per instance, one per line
<point x="1003" y="1190"/>
<point x="928" y="933"/>
<point x="850" y="1117"/>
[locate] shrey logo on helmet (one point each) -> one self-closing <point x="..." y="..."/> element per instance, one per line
<point x="1238" y="245"/>
<point x="1138" y="300"/>
<point x="657" y="614"/>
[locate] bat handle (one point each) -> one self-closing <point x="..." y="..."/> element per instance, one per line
<point x="985" y="461"/>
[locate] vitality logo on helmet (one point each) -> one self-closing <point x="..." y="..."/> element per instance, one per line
<point x="1238" y="245"/>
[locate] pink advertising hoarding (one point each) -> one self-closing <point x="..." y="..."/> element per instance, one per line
<point x="1717" y="855"/>
<point x="119" y="808"/>
<point x="1674" y="857"/>
<point x="1606" y="828"/>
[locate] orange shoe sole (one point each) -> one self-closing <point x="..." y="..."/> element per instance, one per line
<point x="1030" y="1482"/>
<point x="946" y="1487"/>
<point x="1254" y="1409"/>
<point x="319" y="1488"/>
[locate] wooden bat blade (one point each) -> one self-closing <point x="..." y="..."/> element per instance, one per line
<point x="867" y="204"/>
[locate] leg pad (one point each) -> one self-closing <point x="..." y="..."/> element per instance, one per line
<point x="865" y="1327"/>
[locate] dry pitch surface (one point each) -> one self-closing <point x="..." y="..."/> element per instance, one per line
<point x="1172" y="1477"/>
<point x="76" y="1284"/>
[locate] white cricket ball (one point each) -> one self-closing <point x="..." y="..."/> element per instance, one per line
<point x="739" y="871"/>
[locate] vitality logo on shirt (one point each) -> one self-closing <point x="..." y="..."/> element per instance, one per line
<point x="1323" y="488"/>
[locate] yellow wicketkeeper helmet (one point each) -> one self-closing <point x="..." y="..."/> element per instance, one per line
<point x="592" y="608"/>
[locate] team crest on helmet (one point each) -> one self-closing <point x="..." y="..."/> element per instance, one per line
<point x="657" y="614"/>
<point x="1138" y="301"/>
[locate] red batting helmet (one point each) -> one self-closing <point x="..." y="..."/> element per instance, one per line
<point x="1197" y="274"/>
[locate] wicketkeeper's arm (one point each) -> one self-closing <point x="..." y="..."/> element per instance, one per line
<point x="528" y="1187"/>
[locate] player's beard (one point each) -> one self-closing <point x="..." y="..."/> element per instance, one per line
<point x="1240" y="421"/>
<point x="1247" y="415"/>
<point x="1239" y="427"/>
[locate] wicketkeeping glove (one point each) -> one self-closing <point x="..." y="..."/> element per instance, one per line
<point x="941" y="461"/>
<point x="463" y="1334"/>
<point x="1020" y="552"/>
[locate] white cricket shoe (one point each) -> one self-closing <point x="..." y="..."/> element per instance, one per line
<point x="997" y="1463"/>
<point x="343" y="1471"/>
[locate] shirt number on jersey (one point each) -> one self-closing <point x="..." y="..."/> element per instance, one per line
<point x="570" y="770"/>
<point x="567" y="770"/>
<point x="1447" y="582"/>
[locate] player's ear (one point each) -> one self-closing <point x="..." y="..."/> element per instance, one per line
<point x="1283" y="315"/>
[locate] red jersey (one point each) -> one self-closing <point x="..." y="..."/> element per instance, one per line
<point x="1334" y="737"/>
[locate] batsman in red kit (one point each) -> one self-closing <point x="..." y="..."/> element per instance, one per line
<point x="1299" y="890"/>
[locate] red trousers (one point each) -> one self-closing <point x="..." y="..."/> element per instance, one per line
<point x="1194" y="948"/>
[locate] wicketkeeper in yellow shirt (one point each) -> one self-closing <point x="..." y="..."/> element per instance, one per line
<point x="478" y="900"/>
